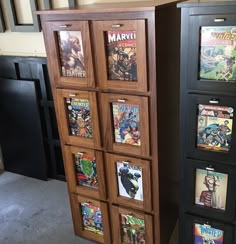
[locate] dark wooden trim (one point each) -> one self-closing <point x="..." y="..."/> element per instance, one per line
<point x="72" y="3"/>
<point x="15" y="26"/>
<point x="2" y="23"/>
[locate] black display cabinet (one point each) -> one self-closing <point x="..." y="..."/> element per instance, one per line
<point x="207" y="125"/>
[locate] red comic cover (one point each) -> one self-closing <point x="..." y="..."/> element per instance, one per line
<point x="121" y="55"/>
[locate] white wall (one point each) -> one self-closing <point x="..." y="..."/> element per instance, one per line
<point x="31" y="44"/>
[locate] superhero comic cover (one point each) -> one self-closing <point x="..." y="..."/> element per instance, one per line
<point x="79" y="118"/>
<point x="86" y="171"/>
<point x="121" y="55"/>
<point x="130" y="180"/>
<point x="214" y="127"/>
<point x="126" y="123"/>
<point x="92" y="218"/>
<point x="71" y="54"/>
<point x="218" y="53"/>
<point x="132" y="229"/>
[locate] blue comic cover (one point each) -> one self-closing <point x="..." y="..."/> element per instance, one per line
<point x="126" y="121"/>
<point x="218" y="53"/>
<point x="205" y="234"/>
<point x="214" y="129"/>
<point x="92" y="218"/>
<point x="79" y="118"/>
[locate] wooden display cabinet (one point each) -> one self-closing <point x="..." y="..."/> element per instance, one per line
<point x="131" y="226"/>
<point x="116" y="78"/>
<point x="86" y="174"/>
<point x="125" y="119"/>
<point x="78" y="117"/>
<point x="91" y="219"/>
<point x="129" y="181"/>
<point x="123" y="109"/>
<point x="75" y="70"/>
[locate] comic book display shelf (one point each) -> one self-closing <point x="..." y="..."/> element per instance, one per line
<point x="112" y="112"/>
<point x="208" y="149"/>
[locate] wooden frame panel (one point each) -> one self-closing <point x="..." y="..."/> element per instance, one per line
<point x="79" y="223"/>
<point x="142" y="103"/>
<point x="116" y="217"/>
<point x="99" y="28"/>
<point x="51" y="29"/>
<point x="224" y="186"/>
<point x="142" y="182"/>
<point x="92" y="142"/>
<point x="74" y="186"/>
<point x="15" y="26"/>
<point x="2" y="23"/>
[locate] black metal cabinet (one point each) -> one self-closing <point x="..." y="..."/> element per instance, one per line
<point x="207" y="124"/>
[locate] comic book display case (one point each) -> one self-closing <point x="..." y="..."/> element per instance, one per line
<point x="113" y="109"/>
<point x="208" y="122"/>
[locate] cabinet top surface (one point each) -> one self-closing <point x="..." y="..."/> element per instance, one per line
<point x="138" y="6"/>
<point x="210" y="3"/>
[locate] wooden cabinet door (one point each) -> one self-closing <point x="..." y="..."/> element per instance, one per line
<point x="209" y="189"/>
<point x="85" y="171"/>
<point x="78" y="117"/>
<point x="130" y="226"/>
<point x="121" y="54"/>
<point x="69" y="53"/>
<point x="210" y="52"/>
<point x="197" y="230"/>
<point x="129" y="181"/>
<point x="125" y="123"/>
<point x="91" y="219"/>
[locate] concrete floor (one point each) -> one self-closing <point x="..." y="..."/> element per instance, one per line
<point x="35" y="212"/>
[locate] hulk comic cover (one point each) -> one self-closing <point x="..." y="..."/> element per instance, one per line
<point x="211" y="189"/>
<point x="214" y="127"/>
<point x="121" y="55"/>
<point x="71" y="53"/>
<point x="218" y="53"/>
<point x="132" y="229"/>
<point x="86" y="171"/>
<point x="130" y="180"/>
<point x="78" y="113"/>
<point x="92" y="218"/>
<point x="205" y="234"/>
<point x="126" y="123"/>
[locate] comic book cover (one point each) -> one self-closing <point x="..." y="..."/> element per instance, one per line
<point x="218" y="53"/>
<point x="132" y="229"/>
<point x="78" y="112"/>
<point x="130" y="180"/>
<point x="71" y="53"/>
<point x="211" y="189"/>
<point x="92" y="218"/>
<point x="121" y="55"/>
<point x="126" y="123"/>
<point x="214" y="127"/>
<point x="86" y="171"/>
<point x="205" y="234"/>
